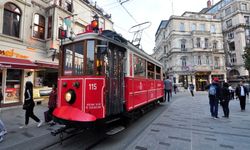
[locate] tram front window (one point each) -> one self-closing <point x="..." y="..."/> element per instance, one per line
<point x="90" y="57"/>
<point x="78" y="63"/>
<point x="68" y="57"/>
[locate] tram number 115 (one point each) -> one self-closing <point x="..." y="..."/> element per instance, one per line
<point x="92" y="86"/>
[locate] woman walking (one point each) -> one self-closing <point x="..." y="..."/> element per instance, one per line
<point x="225" y="98"/>
<point x="29" y="105"/>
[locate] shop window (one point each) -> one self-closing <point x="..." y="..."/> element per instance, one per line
<point x="11" y="20"/>
<point x="13" y="85"/>
<point x="39" y="26"/>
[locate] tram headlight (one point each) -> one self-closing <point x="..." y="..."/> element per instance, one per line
<point x="70" y="96"/>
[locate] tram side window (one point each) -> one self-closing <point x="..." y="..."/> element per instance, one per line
<point x="90" y="57"/>
<point x="68" y="63"/>
<point x="158" y="72"/>
<point x="151" y="71"/>
<point x="139" y="66"/>
<point x="79" y="61"/>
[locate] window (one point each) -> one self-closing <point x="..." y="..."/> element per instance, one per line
<point x="207" y="60"/>
<point x="243" y="7"/>
<point x="165" y="49"/>
<point x="68" y="5"/>
<point x="193" y="27"/>
<point x="228" y="11"/>
<point x="184" y="61"/>
<point x="79" y="63"/>
<point x="206" y="43"/>
<point x="49" y="30"/>
<point x="183" y="45"/>
<point x="199" y="60"/>
<point x="90" y="57"/>
<point x="202" y="27"/>
<point x="151" y="70"/>
<point x="214" y="44"/>
<point x="39" y="26"/>
<point x="158" y="72"/>
<point x="248" y="33"/>
<point x="231" y="46"/>
<point x="230" y="35"/>
<point x="101" y="24"/>
<point x="247" y="20"/>
<point x="229" y="23"/>
<point x="198" y="42"/>
<point x="233" y="58"/>
<point x="216" y="62"/>
<point x="213" y="29"/>
<point x="139" y="66"/>
<point x="182" y="27"/>
<point x="11" y="20"/>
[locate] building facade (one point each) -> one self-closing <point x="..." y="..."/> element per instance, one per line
<point x="191" y="48"/>
<point x="235" y="17"/>
<point x="29" y="43"/>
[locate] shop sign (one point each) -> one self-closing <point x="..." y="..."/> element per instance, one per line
<point x="4" y="66"/>
<point x="12" y="53"/>
<point x="12" y="94"/>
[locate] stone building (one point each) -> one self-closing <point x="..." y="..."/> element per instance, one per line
<point x="235" y="17"/>
<point x="191" y="48"/>
<point x="29" y="32"/>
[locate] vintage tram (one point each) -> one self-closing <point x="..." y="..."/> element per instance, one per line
<point x="103" y="75"/>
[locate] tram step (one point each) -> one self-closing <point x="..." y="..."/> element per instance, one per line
<point x="115" y="130"/>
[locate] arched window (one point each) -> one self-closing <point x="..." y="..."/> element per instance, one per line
<point x="234" y="73"/>
<point x="11" y="20"/>
<point x="39" y="26"/>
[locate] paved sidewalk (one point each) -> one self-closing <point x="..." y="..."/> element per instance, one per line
<point x="16" y="138"/>
<point x="187" y="125"/>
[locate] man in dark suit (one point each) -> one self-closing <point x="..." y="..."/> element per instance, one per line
<point x="242" y="92"/>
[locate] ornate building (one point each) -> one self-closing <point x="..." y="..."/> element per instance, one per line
<point x="29" y="32"/>
<point x="191" y="48"/>
<point x="235" y="17"/>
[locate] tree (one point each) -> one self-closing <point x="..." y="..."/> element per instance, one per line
<point x="246" y="57"/>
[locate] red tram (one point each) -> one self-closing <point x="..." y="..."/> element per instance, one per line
<point x="103" y="75"/>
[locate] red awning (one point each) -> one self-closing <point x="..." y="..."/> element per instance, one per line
<point x="43" y="64"/>
<point x="7" y="62"/>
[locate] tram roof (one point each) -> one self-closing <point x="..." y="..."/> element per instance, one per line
<point x="111" y="36"/>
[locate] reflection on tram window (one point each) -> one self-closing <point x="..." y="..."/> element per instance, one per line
<point x="90" y="57"/>
<point x="139" y="66"/>
<point x="151" y="70"/>
<point x="78" y="65"/>
<point x="68" y="61"/>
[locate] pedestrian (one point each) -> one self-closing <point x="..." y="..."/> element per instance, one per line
<point x="214" y="96"/>
<point x="191" y="89"/>
<point x="3" y="130"/>
<point x="52" y="102"/>
<point x="231" y="90"/>
<point x="175" y="88"/>
<point x="241" y="93"/>
<point x="29" y="105"/>
<point x="167" y="87"/>
<point x="224" y="99"/>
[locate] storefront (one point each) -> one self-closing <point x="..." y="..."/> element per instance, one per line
<point x="16" y="69"/>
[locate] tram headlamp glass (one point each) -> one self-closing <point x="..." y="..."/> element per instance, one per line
<point x="68" y="96"/>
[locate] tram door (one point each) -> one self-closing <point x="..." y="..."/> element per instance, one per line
<point x="115" y="80"/>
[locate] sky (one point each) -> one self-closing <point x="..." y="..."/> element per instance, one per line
<point x="140" y="11"/>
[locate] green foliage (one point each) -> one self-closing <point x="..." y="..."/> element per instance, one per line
<point x="246" y="57"/>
